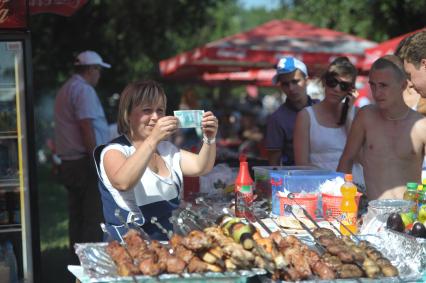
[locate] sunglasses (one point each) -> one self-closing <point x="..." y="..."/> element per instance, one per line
<point x="333" y="82"/>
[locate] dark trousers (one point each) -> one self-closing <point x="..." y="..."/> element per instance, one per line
<point x="84" y="202"/>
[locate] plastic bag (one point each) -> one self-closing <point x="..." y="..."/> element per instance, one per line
<point x="219" y="178"/>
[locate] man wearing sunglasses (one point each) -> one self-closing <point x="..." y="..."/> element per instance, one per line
<point x="391" y="136"/>
<point x="291" y="77"/>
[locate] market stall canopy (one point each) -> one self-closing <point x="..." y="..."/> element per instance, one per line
<point x="382" y="49"/>
<point x="261" y="47"/>
<point x="259" y="77"/>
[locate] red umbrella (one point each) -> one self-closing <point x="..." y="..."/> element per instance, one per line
<point x="261" y="47"/>
<point x="382" y="49"/>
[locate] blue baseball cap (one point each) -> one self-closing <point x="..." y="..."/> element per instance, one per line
<point x="287" y="65"/>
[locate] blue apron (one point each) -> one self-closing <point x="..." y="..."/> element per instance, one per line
<point x="115" y="226"/>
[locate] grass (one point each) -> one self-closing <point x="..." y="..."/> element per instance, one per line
<point x="53" y="220"/>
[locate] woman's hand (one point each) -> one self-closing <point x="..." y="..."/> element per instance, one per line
<point x="164" y="128"/>
<point x="209" y="124"/>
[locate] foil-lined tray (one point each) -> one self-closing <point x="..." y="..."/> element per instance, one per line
<point x="99" y="267"/>
<point x="406" y="253"/>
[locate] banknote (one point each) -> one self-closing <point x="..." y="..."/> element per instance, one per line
<point x="189" y="118"/>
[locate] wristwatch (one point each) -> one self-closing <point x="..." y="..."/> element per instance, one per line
<point x="208" y="141"/>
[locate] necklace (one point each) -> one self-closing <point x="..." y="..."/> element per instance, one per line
<point x="402" y="117"/>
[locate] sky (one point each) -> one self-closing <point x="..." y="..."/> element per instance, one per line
<point x="267" y="4"/>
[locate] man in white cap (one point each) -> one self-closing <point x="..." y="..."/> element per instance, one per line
<point x="80" y="125"/>
<point x="291" y="76"/>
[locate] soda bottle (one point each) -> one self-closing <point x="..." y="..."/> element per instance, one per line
<point x="348" y="206"/>
<point x="243" y="189"/>
<point x="411" y="195"/>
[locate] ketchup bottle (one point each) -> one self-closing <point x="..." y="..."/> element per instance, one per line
<point x="243" y="190"/>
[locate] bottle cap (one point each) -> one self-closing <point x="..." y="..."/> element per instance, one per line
<point x="348" y="177"/>
<point x="411" y="186"/>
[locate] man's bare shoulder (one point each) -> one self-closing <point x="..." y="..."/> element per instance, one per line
<point x="367" y="111"/>
<point x="420" y="121"/>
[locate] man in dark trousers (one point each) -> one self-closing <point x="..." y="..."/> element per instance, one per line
<point x="80" y="125"/>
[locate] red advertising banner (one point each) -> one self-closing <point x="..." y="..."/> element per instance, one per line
<point x="13" y="14"/>
<point x="60" y="7"/>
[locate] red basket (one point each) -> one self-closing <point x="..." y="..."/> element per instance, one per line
<point x="307" y="201"/>
<point x="332" y="203"/>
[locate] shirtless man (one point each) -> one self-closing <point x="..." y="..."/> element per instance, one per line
<point x="391" y="136"/>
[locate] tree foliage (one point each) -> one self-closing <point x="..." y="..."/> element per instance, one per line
<point x="131" y="35"/>
<point x="376" y="20"/>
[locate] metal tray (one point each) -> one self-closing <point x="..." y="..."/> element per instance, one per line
<point x="99" y="267"/>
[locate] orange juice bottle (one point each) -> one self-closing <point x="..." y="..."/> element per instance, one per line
<point x="348" y="206"/>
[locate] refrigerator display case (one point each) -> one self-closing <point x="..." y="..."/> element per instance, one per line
<point x="19" y="237"/>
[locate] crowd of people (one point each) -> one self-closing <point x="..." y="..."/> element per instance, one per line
<point x="139" y="174"/>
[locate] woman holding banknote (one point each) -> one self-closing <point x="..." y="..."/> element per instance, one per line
<point x="141" y="172"/>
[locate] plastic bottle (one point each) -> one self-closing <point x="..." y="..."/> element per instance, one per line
<point x="243" y="189"/>
<point x="411" y="195"/>
<point x="348" y="206"/>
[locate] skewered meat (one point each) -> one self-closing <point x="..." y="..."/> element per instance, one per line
<point x="371" y="268"/>
<point x="197" y="240"/>
<point x="149" y="267"/>
<point x="122" y="259"/>
<point x="364" y="244"/>
<point x="209" y="257"/>
<point x="230" y="265"/>
<point x="374" y="254"/>
<point x="346" y="256"/>
<point x="323" y="271"/>
<point x="383" y="261"/>
<point x="292" y="241"/>
<point x="276" y="237"/>
<point x="175" y="264"/>
<point x="292" y="274"/>
<point x="175" y="240"/>
<point x="389" y="270"/>
<point x="326" y="241"/>
<point x="348" y="241"/>
<point x="350" y="271"/>
<point x="332" y="261"/>
<point x="335" y="249"/>
<point x="196" y="265"/>
<point x="322" y="232"/>
<point x="300" y="263"/>
<point x="185" y="254"/>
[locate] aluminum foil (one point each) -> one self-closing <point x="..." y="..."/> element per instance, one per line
<point x="99" y="267"/>
<point x="406" y="253"/>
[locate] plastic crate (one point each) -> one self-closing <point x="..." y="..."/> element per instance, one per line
<point x="307" y="181"/>
<point x="262" y="178"/>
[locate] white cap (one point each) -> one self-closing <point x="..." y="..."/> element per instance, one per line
<point x="90" y="58"/>
<point x="289" y="65"/>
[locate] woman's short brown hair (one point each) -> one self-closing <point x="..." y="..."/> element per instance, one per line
<point x="135" y="94"/>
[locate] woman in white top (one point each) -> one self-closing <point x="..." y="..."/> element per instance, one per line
<point x="141" y="171"/>
<point x="321" y="130"/>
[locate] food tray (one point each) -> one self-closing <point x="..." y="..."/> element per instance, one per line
<point x="99" y="267"/>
